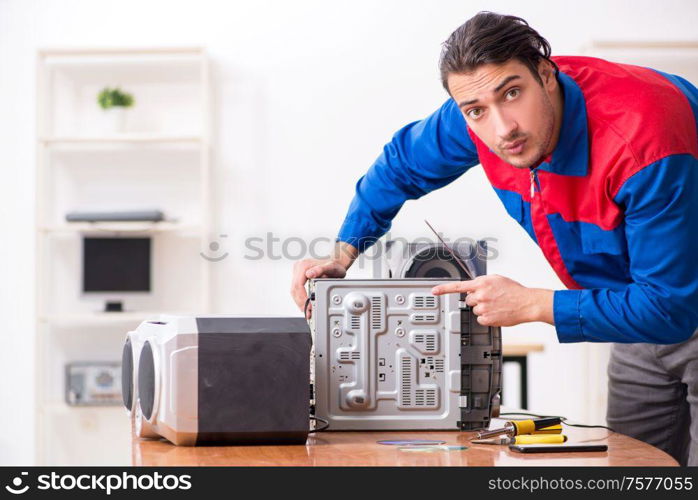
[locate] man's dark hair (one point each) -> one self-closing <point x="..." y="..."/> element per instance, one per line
<point x="493" y="38"/>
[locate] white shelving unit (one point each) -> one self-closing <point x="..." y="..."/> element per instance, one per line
<point x="161" y="160"/>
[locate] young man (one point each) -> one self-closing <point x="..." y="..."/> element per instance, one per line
<point x="598" y="162"/>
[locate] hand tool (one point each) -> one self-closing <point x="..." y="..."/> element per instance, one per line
<point x="525" y="439"/>
<point x="517" y="427"/>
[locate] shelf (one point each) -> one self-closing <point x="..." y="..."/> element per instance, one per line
<point x="121" y="227"/>
<point x="122" y="139"/>
<point x="99" y="318"/>
<point x="134" y="67"/>
<point x="83" y="52"/>
<point x="62" y="407"/>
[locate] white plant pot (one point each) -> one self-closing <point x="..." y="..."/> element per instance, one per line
<point x="114" y="120"/>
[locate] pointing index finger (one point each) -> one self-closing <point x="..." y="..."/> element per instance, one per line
<point x="454" y="287"/>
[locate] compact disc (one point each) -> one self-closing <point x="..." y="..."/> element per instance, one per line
<point x="413" y="442"/>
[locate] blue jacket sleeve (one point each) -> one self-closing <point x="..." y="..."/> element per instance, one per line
<point x="661" y="227"/>
<point x="423" y="156"/>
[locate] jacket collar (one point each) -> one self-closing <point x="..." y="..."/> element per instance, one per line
<point x="571" y="155"/>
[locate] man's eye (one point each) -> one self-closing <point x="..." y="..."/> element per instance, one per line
<point x="474" y="113"/>
<point x="513" y="93"/>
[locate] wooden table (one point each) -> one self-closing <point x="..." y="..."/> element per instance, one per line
<point x="360" y="449"/>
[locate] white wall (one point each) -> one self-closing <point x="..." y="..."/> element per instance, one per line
<point x="306" y="95"/>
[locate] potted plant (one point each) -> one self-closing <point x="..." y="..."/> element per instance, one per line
<point x="114" y="103"/>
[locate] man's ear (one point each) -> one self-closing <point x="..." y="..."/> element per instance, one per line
<point x="547" y="74"/>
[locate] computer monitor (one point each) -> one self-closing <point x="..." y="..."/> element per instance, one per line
<point x="116" y="264"/>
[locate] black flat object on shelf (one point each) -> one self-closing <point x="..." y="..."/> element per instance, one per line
<point x="122" y="216"/>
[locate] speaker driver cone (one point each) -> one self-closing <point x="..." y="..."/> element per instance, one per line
<point x="127" y="375"/>
<point x="146" y="380"/>
<point x="434" y="262"/>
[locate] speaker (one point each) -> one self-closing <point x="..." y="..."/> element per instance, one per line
<point x="229" y="380"/>
<point x="431" y="260"/>
<point x="129" y="365"/>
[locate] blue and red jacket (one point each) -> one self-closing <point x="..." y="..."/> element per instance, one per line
<point x="614" y="208"/>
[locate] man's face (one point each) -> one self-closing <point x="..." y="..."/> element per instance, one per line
<point x="508" y="109"/>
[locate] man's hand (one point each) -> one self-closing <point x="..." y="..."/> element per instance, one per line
<point x="500" y="301"/>
<point x="332" y="267"/>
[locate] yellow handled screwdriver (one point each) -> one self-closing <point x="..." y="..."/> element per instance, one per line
<point x="525" y="439"/>
<point x="518" y="427"/>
